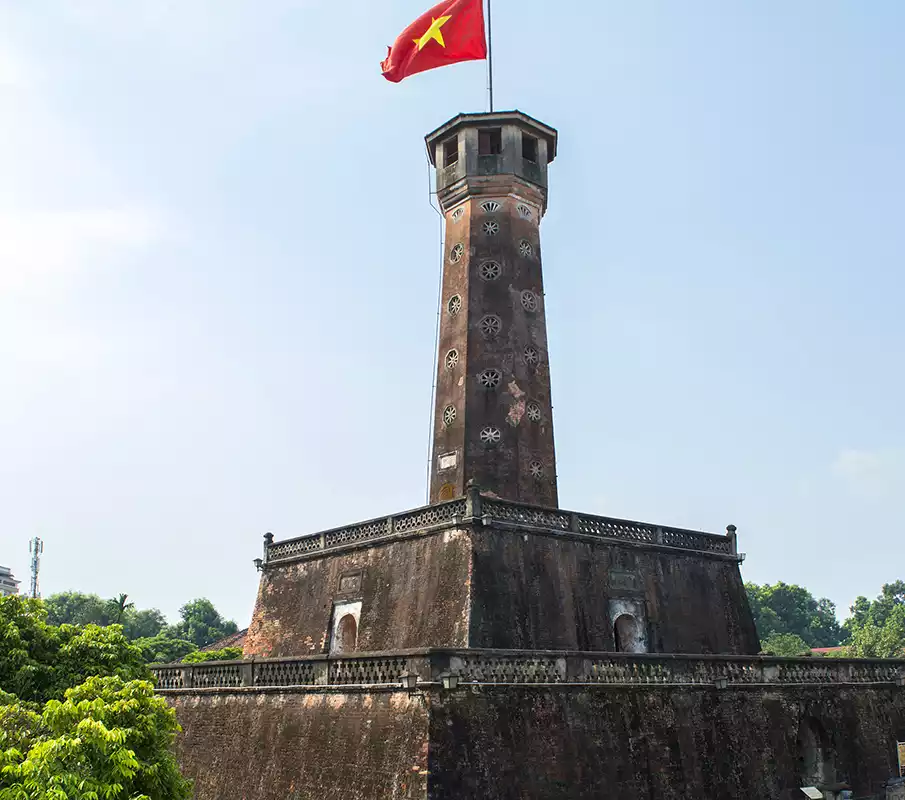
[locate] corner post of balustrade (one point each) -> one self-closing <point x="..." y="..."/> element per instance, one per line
<point x="188" y="676"/>
<point x="268" y="541"/>
<point x="247" y="670"/>
<point x="473" y="508"/>
<point x="733" y="539"/>
<point x="574" y="523"/>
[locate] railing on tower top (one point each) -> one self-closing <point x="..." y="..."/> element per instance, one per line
<point x="505" y="514"/>
<point x="528" y="667"/>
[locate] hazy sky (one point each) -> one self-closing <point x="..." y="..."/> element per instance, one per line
<point x="219" y="265"/>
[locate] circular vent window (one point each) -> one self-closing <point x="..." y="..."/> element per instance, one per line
<point x="490" y="378"/>
<point x="491" y="228"/>
<point x="525" y="249"/>
<point x="452" y="359"/>
<point x="490" y="435"/>
<point x="458" y="250"/>
<point x="529" y="301"/>
<point x="449" y="415"/>
<point x="532" y="357"/>
<point x="454" y="306"/>
<point x="536" y="469"/>
<point x="533" y="412"/>
<point x="490" y="270"/>
<point x="491" y="325"/>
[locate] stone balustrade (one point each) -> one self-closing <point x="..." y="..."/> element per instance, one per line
<point x="489" y="667"/>
<point x="476" y="508"/>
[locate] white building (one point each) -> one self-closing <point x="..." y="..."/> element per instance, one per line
<point x="8" y="584"/>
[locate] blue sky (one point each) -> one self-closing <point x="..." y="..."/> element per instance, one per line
<point x="218" y="276"/>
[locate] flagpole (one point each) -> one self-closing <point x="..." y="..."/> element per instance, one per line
<point x="489" y="57"/>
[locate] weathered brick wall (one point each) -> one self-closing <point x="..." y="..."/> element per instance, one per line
<point x="266" y="746"/>
<point x="540" y="592"/>
<point x="535" y="743"/>
<point x="414" y="593"/>
<point x="655" y="743"/>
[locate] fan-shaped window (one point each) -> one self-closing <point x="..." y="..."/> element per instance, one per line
<point x="489" y="206"/>
<point x="458" y="214"/>
<point x="524" y="211"/>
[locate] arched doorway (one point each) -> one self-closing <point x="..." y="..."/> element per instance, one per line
<point x="815" y="758"/>
<point x="346" y="634"/>
<point x="628" y="635"/>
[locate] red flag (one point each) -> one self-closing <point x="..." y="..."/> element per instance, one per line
<point x="450" y="32"/>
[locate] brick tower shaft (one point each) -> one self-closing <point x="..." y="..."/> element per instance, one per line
<point x="493" y="422"/>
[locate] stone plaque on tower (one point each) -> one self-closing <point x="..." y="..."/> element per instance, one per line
<point x="493" y="424"/>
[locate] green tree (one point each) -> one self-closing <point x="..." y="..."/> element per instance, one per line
<point x="143" y="624"/>
<point x="77" y="608"/>
<point x="164" y="649"/>
<point x="202" y="624"/>
<point x="886" y="640"/>
<point x="784" y="644"/>
<point x="107" y="739"/>
<point x="224" y="654"/>
<point x="786" y="608"/>
<point x="38" y="662"/>
<point x="118" y="606"/>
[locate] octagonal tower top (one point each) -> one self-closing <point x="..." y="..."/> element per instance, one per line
<point x="472" y="149"/>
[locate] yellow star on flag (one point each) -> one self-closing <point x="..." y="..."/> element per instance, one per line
<point x="433" y="32"/>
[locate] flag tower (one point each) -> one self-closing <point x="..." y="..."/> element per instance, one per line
<point x="493" y="424"/>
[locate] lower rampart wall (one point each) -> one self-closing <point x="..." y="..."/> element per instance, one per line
<point x="576" y="743"/>
<point x="264" y="745"/>
<point x="536" y="742"/>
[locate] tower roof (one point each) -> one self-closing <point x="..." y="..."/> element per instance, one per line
<point x="498" y="117"/>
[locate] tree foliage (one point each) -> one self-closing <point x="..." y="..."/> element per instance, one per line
<point x="107" y="740"/>
<point x="224" y="654"/>
<point x="877" y="629"/>
<point x="76" y="608"/>
<point x="788" y="609"/>
<point x="202" y="624"/>
<point x="38" y="661"/>
<point x="784" y="644"/>
<point x="83" y="722"/>
<point x="164" y="649"/>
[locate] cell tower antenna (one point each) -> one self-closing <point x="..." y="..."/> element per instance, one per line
<point x="35" y="547"/>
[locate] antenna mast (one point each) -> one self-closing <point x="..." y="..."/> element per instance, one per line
<point x="35" y="547"/>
